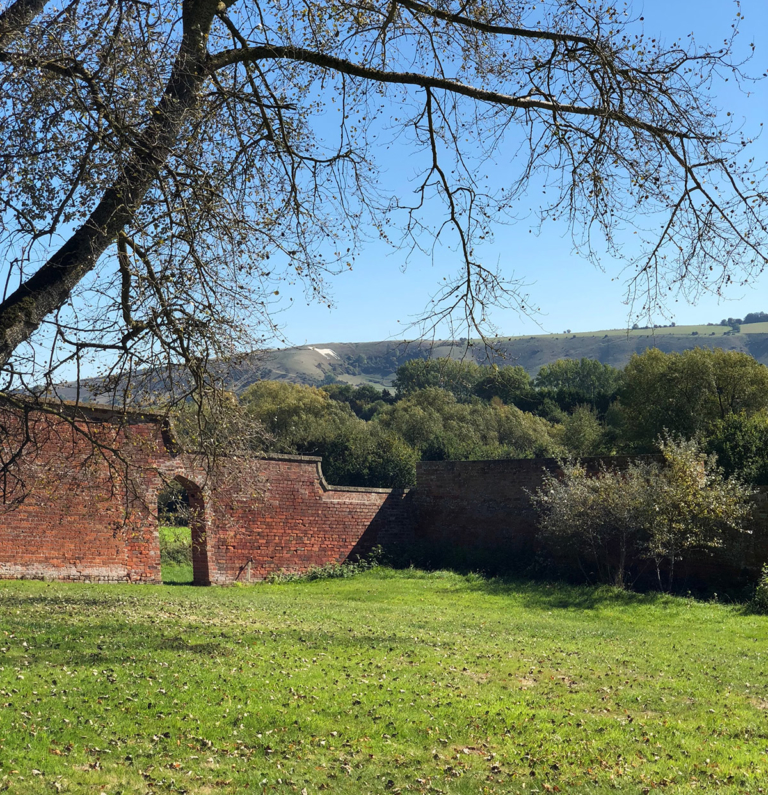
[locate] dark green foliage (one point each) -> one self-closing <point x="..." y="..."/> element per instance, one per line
<point x="455" y="410"/>
<point x="457" y="377"/>
<point x="652" y="510"/>
<point x="173" y="505"/>
<point x="364" y="454"/>
<point x="511" y="384"/>
<point x="586" y="377"/>
<point x="439" y="427"/>
<point x="583" y="433"/>
<point x="688" y="393"/>
<point x="741" y="445"/>
<point x="365" y="400"/>
<point x="751" y="317"/>
<point x="295" y="414"/>
<point x="368" y="439"/>
<point x="755" y="317"/>
<point x="579" y="382"/>
<point x="308" y="421"/>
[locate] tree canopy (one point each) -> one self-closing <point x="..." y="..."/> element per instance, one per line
<point x="166" y="166"/>
<point x="688" y="392"/>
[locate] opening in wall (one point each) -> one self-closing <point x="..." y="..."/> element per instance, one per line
<point x="182" y="532"/>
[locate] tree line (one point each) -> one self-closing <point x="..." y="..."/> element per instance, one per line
<point x="446" y="409"/>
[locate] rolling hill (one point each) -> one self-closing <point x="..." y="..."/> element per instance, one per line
<point x="375" y="363"/>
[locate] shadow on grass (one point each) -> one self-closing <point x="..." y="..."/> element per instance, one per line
<point x="550" y="583"/>
<point x="177" y="574"/>
<point x="562" y="596"/>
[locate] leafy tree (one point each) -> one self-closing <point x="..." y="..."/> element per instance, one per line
<point x="524" y="435"/>
<point x="307" y="421"/>
<point x="686" y="393"/>
<point x="433" y="423"/>
<point x="166" y="166"/>
<point x="690" y="504"/>
<point x="511" y="384"/>
<point x="366" y="454"/>
<point x="587" y="377"/>
<point x="596" y="517"/>
<point x="583" y="433"/>
<point x="740" y="443"/>
<point x="295" y="414"/>
<point x="173" y="505"/>
<point x="364" y="400"/>
<point x="755" y="317"/>
<point x="572" y="382"/>
<point x="439" y="427"/>
<point x="648" y="510"/>
<point x="460" y="378"/>
<point x="219" y="423"/>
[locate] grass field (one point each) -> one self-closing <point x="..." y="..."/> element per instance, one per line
<point x="666" y="331"/>
<point x="176" y="554"/>
<point x="387" y="682"/>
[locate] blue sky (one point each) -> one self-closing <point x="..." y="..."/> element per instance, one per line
<point x="377" y="300"/>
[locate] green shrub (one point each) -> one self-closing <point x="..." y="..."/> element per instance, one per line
<point x="175" y="546"/>
<point x="760" y="599"/>
<point x="656" y="511"/>
<point x="332" y="571"/>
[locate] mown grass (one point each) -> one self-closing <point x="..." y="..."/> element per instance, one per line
<point x="388" y="682"/>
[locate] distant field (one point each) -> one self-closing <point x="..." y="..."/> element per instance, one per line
<point x="174" y="535"/>
<point x="388" y="682"/>
<point x="710" y="331"/>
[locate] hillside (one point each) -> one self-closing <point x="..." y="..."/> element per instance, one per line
<point x="376" y="362"/>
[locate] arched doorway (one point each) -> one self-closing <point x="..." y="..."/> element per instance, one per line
<point x="184" y="544"/>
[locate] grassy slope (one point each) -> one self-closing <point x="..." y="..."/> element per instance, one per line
<point x="612" y="346"/>
<point x="398" y="682"/>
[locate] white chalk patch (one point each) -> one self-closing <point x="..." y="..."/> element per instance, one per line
<point x="327" y="352"/>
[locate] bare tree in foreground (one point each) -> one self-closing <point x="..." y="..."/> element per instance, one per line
<point x="166" y="166"/>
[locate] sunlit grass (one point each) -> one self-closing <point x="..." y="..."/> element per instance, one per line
<point x="176" y="554"/>
<point x="387" y="682"/>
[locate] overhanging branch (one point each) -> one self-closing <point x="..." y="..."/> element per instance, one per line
<point x="265" y="52"/>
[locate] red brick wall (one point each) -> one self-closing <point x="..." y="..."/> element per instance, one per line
<point x="73" y="511"/>
<point x="279" y="515"/>
<point x="483" y="504"/>
<point x="91" y="516"/>
<point x="82" y="514"/>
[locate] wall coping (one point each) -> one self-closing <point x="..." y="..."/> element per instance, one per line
<point x="318" y="461"/>
<point x="92" y="410"/>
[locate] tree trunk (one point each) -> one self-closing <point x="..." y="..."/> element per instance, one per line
<point x="671" y="572"/>
<point x="17" y="18"/>
<point x="50" y="287"/>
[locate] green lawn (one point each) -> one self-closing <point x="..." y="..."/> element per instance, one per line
<point x="387" y="682"/>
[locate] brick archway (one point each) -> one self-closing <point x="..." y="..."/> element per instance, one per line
<point x="198" y="526"/>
